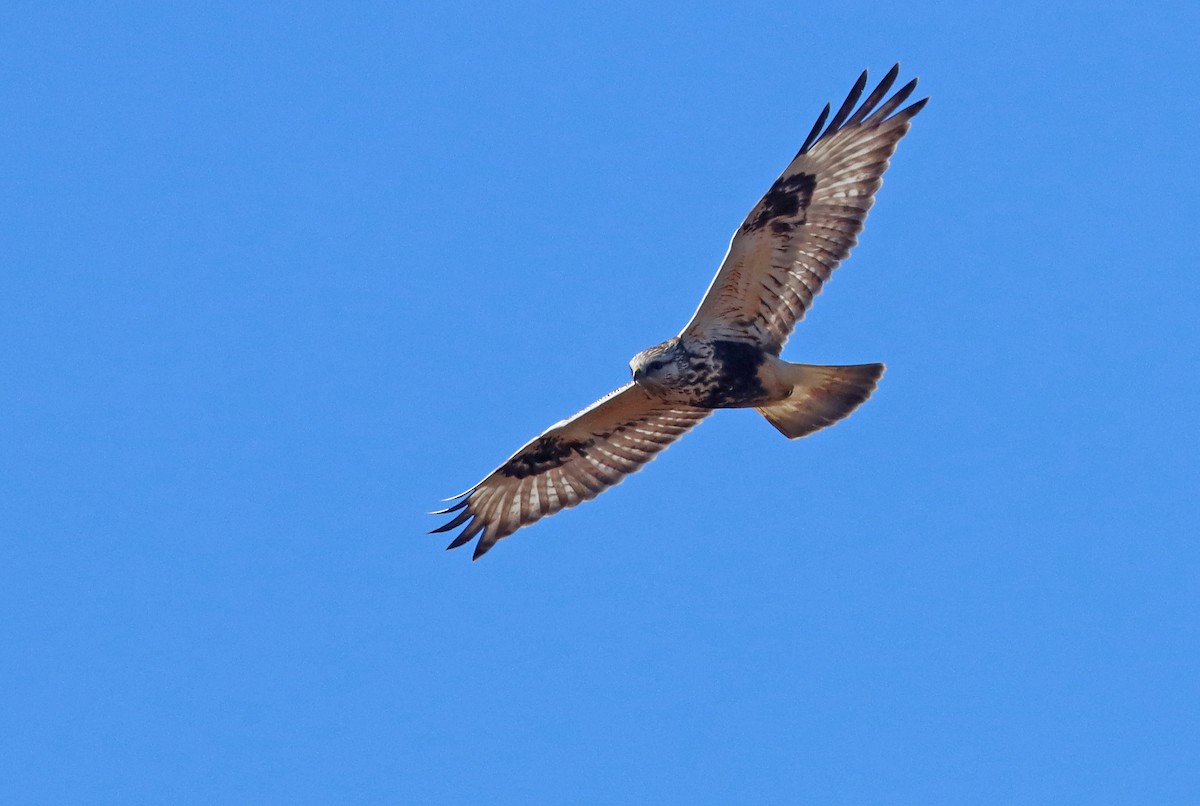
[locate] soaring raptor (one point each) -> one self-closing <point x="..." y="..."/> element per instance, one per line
<point x="727" y="356"/>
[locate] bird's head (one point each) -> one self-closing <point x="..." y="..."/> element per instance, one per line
<point x="660" y="366"/>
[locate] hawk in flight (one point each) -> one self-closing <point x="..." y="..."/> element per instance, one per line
<point x="727" y="356"/>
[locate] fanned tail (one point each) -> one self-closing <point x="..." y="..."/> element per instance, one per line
<point x="821" y="396"/>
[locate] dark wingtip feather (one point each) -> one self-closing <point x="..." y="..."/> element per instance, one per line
<point x="816" y="130"/>
<point x="847" y="106"/>
<point x="877" y="95"/>
<point x="893" y="103"/>
<point x="458" y="520"/>
<point x="448" y="510"/>
<point x="473" y="528"/>
<point x="867" y="112"/>
<point x="482" y="548"/>
<point x="910" y="111"/>
<point x="458" y="541"/>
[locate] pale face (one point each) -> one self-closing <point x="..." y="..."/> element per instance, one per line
<point x="660" y="367"/>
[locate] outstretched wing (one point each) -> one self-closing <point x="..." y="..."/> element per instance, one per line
<point x="574" y="461"/>
<point x="807" y="222"/>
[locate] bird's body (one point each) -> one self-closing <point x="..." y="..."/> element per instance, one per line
<point x="727" y="356"/>
<point x="710" y="373"/>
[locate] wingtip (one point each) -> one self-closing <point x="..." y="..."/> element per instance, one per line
<point x="466" y="535"/>
<point x="847" y="107"/>
<point x="893" y="74"/>
<point x="455" y="522"/>
<point x="915" y="107"/>
<point x="463" y="494"/>
<point x="448" y="510"/>
<point x="816" y="130"/>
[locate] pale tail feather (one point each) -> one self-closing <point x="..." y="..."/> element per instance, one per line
<point x="821" y="396"/>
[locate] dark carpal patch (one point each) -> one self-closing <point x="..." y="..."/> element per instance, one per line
<point x="546" y="453"/>
<point x="786" y="201"/>
<point x="734" y="380"/>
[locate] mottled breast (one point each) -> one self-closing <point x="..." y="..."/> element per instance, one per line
<point x="725" y="374"/>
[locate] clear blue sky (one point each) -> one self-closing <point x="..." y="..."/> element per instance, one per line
<point x="277" y="277"/>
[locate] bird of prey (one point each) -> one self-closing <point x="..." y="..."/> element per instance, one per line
<point x="727" y="356"/>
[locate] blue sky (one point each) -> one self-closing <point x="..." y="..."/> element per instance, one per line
<point x="277" y="277"/>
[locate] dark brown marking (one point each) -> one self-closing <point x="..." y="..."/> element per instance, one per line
<point x="605" y="435"/>
<point x="546" y="453"/>
<point x="788" y="198"/>
<point x="734" y="379"/>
